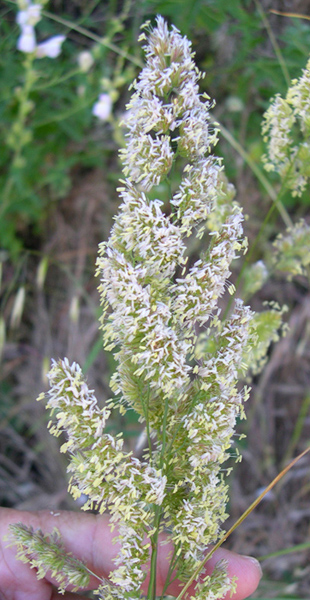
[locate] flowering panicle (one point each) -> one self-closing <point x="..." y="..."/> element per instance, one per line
<point x="292" y="250"/>
<point x="47" y="553"/>
<point x="198" y="192"/>
<point x="266" y="327"/>
<point x="154" y="302"/>
<point x="178" y="362"/>
<point x="286" y="129"/>
<point x="99" y="468"/>
<point x="254" y="277"/>
<point x="166" y="101"/>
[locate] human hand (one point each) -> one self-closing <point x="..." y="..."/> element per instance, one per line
<point x="89" y="538"/>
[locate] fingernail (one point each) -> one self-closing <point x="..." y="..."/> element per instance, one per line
<point x="255" y="562"/>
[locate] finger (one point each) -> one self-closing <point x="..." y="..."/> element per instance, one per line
<point x="248" y="572"/>
<point x="78" y="534"/>
<point x="246" y="569"/>
<point x="67" y="596"/>
<point x="89" y="538"/>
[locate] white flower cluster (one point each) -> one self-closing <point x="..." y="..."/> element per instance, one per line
<point x="42" y="551"/>
<point x="286" y="130"/>
<point x="102" y="472"/>
<point x="166" y="101"/>
<point x="27" y="17"/>
<point x="178" y="362"/>
<point x="207" y="427"/>
<point x="154" y="303"/>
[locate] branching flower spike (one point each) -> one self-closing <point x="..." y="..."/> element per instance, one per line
<point x="286" y="129"/>
<point x="178" y="360"/>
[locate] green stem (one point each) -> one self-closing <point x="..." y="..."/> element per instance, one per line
<point x="163" y="447"/>
<point x="284" y="551"/>
<point x="258" y="173"/>
<point x="145" y="408"/>
<point x="169" y="447"/>
<point x="303" y="413"/>
<point x="67" y="113"/>
<point x="18" y="128"/>
<point x="151" y="594"/>
<point x="23" y="109"/>
<point x="157" y="518"/>
<point x="172" y="565"/>
<point x="56" y="81"/>
<point x="96" y="38"/>
<point x="274" y="43"/>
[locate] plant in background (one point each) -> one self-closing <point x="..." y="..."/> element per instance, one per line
<point x="20" y="134"/>
<point x="28" y="16"/>
<point x="179" y="360"/>
<point x="51" y="101"/>
<point x="286" y="130"/>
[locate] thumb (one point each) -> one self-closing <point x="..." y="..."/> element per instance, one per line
<point x="245" y="569"/>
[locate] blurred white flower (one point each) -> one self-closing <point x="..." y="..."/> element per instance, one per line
<point x="27" y="18"/>
<point x="103" y="107"/>
<point x="85" y="60"/>
<point x="51" y="47"/>
<point x="234" y="104"/>
<point x="30" y="16"/>
<point x="27" y="40"/>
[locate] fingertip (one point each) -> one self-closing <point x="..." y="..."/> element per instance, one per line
<point x="247" y="571"/>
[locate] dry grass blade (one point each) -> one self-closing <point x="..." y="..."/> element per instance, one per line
<point x="289" y="14"/>
<point x="240" y="520"/>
